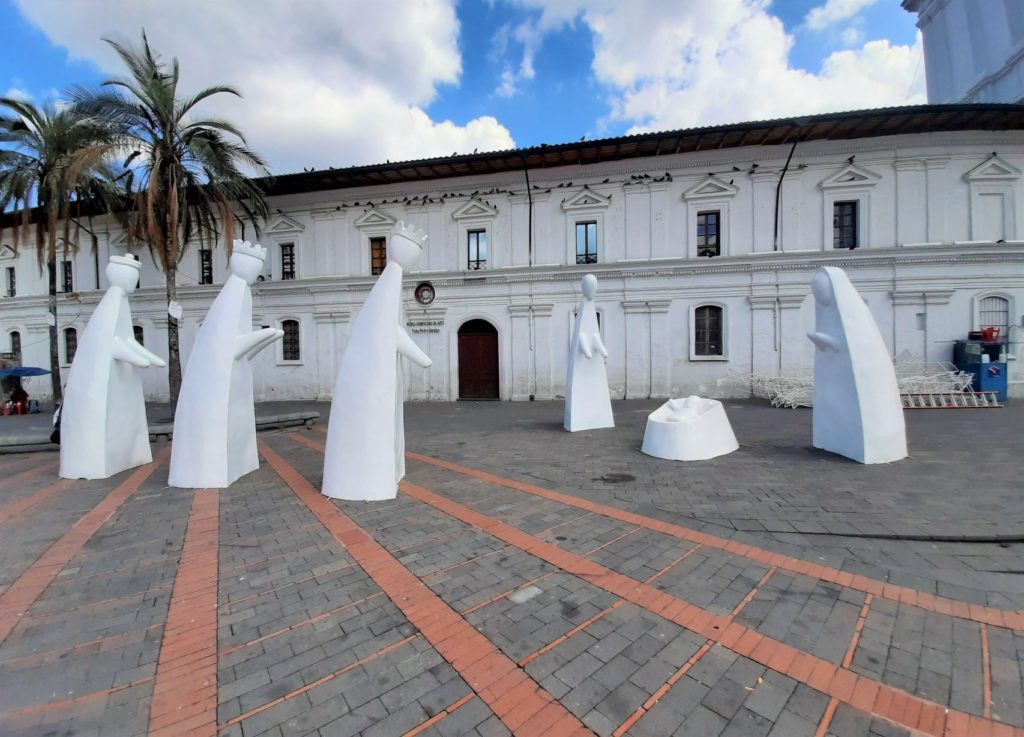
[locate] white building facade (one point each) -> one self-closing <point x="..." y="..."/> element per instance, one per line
<point x="704" y="242"/>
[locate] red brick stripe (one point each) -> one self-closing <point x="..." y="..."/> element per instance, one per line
<point x="840" y="683"/>
<point x="986" y="673"/>
<point x="20" y="595"/>
<point x="515" y="698"/>
<point x="439" y="716"/>
<point x="826" y="718"/>
<point x="185" y="694"/>
<point x="33" y="500"/>
<point x="902" y="594"/>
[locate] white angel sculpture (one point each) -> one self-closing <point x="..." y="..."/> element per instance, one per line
<point x="587" y="403"/>
<point x="215" y="421"/>
<point x="365" y="453"/>
<point x="103" y="418"/>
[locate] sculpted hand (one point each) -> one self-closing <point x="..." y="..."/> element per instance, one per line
<point x="412" y="233"/>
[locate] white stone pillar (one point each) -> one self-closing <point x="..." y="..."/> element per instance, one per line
<point x="661" y="348"/>
<point x="638" y="351"/>
<point x="911" y="202"/>
<point x="522" y="353"/>
<point x="543" y="347"/>
<point x="935" y="175"/>
<point x="661" y="247"/>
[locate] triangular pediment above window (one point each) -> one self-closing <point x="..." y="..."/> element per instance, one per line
<point x="994" y="169"/>
<point x="710" y="187"/>
<point x="585" y="199"/>
<point x="284" y="224"/>
<point x="475" y="209"/>
<point x="7" y="253"/>
<point x="851" y="175"/>
<point x="118" y="240"/>
<point x="374" y="218"/>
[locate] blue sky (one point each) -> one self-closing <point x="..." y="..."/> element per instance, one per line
<point x="334" y="83"/>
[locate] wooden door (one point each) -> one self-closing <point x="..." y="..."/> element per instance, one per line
<point x="478" y="360"/>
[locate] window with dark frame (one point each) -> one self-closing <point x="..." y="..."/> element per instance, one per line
<point x="70" y="344"/>
<point x="16" y="344"/>
<point x="708" y="242"/>
<point x="290" y="350"/>
<point x="12" y="284"/>
<point x="67" y="278"/>
<point x="287" y="260"/>
<point x="586" y="242"/>
<point x="844" y="225"/>
<point x="378" y="255"/>
<point x="707" y="331"/>
<point x="477" y="243"/>
<point x="205" y="266"/>
<point x="140" y="334"/>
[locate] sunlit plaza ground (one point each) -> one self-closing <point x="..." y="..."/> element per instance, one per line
<point x="528" y="580"/>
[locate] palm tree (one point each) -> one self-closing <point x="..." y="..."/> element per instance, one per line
<point x="52" y="159"/>
<point x="186" y="173"/>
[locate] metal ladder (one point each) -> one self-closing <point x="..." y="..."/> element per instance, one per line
<point x="949" y="400"/>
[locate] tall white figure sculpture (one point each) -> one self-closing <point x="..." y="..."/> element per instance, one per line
<point x="103" y="419"/>
<point x="215" y="422"/>
<point x="857" y="409"/>
<point x="587" y="403"/>
<point x="365" y="454"/>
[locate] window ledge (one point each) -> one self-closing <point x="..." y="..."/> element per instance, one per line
<point x="709" y="358"/>
<point x="282" y="362"/>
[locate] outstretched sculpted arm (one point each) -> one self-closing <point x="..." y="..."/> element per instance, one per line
<point x="126" y="352"/>
<point x="408" y="348"/>
<point x="599" y="344"/>
<point x="824" y="341"/>
<point x="248" y="345"/>
<point x="585" y="348"/>
<point x="154" y="359"/>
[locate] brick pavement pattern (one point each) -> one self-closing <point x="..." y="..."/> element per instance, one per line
<point x="524" y="589"/>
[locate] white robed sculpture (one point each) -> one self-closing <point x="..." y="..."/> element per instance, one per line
<point x="215" y="421"/>
<point x="587" y="403"/>
<point x="365" y="455"/>
<point x="103" y="418"/>
<point x="857" y="409"/>
<point x="691" y="429"/>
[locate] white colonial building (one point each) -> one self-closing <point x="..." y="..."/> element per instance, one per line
<point x="704" y="242"/>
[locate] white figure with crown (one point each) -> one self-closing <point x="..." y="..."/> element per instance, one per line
<point x="365" y="454"/>
<point x="103" y="419"/>
<point x="215" y="422"/>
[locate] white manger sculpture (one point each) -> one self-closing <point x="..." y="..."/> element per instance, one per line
<point x="103" y="419"/>
<point x="857" y="409"/>
<point x="691" y="429"/>
<point x="365" y="454"/>
<point x="215" y="421"/>
<point x="587" y="403"/>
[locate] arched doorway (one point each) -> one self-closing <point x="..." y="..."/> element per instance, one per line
<point x="478" y="360"/>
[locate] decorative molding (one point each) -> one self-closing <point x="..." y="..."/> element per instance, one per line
<point x="994" y="169"/>
<point x="939" y="296"/>
<point x="586" y="199"/>
<point x="374" y="218"/>
<point x="908" y="298"/>
<point x="475" y="209"/>
<point x="329" y="214"/>
<point x="321" y="318"/>
<point x="282" y="225"/>
<point x="710" y="188"/>
<point x="646" y="306"/>
<point x="7" y="253"/>
<point x="851" y="175"/>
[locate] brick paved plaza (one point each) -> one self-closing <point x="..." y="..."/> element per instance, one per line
<point x="528" y="581"/>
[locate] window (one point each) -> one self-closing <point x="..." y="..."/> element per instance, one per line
<point x="205" y="266"/>
<point x="16" y="344"/>
<point x="844" y="224"/>
<point x="378" y="255"/>
<point x="67" y="278"/>
<point x="586" y="242"/>
<point x="140" y="334"/>
<point x="707" y="331"/>
<point x="290" y="343"/>
<point x="12" y="285"/>
<point x="70" y="344"/>
<point x="708" y="243"/>
<point x="287" y="260"/>
<point x="477" y="240"/>
<point x="994" y="312"/>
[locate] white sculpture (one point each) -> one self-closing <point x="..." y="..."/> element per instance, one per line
<point x="691" y="429"/>
<point x="365" y="455"/>
<point x="103" y="418"/>
<point x="857" y="409"/>
<point x="587" y="403"/>
<point x="215" y="421"/>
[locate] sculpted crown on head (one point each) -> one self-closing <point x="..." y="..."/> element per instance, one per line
<point x="247" y="260"/>
<point x="123" y="272"/>
<point x="407" y="245"/>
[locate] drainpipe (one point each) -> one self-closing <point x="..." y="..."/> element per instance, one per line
<point x="778" y="196"/>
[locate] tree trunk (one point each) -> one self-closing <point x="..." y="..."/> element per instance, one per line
<point x="173" y="359"/>
<point x="58" y="394"/>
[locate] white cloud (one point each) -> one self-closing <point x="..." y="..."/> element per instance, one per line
<point x="834" y="11"/>
<point x="325" y="82"/>
<point x="704" y="63"/>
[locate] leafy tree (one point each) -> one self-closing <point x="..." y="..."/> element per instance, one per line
<point x="186" y="173"/>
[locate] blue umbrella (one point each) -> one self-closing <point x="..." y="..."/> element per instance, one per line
<point x="22" y="371"/>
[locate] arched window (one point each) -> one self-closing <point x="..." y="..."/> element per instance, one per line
<point x="70" y="344"/>
<point x="16" y="344"/>
<point x="290" y="349"/>
<point x="708" y="331"/>
<point x="140" y="334"/>
<point x="994" y="312"/>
